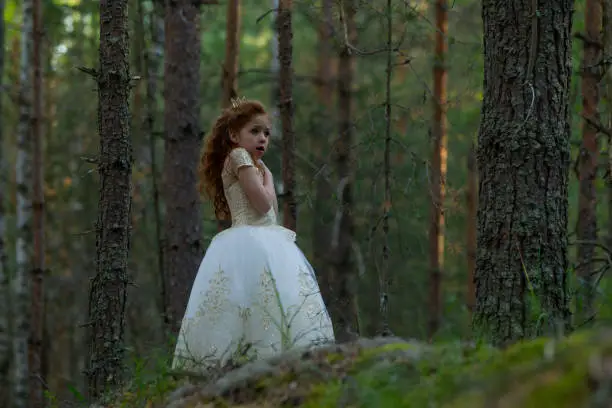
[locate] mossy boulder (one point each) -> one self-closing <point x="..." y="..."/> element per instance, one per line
<point x="390" y="372"/>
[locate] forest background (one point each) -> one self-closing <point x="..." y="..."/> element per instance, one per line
<point x="69" y="51"/>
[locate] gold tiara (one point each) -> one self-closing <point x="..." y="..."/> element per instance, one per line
<point x="237" y="102"/>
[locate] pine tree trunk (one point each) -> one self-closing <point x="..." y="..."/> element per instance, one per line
<point x="230" y="67"/>
<point x="586" y="230"/>
<point x="37" y="317"/>
<point x="21" y="286"/>
<point x="109" y="287"/>
<point x="322" y="219"/>
<point x="153" y="64"/>
<point x="523" y="158"/>
<point x="285" y="55"/>
<point x="5" y="304"/>
<point x="343" y="308"/>
<point x="471" y="219"/>
<point x="607" y="80"/>
<point x="183" y="238"/>
<point x="438" y="171"/>
<point x="232" y="51"/>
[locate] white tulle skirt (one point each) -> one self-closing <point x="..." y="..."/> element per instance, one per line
<point x="255" y="295"/>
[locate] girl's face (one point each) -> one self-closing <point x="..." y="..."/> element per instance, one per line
<point x="254" y="136"/>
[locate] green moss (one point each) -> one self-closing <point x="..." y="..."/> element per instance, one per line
<point x="540" y="373"/>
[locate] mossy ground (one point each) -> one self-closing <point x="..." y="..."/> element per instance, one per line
<point x="542" y="373"/>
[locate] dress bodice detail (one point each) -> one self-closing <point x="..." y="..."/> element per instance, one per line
<point x="241" y="210"/>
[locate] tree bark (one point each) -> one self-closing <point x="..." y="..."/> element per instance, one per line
<point x="586" y="231"/>
<point x="109" y="287"/>
<point x="153" y="62"/>
<point x="37" y="316"/>
<point x="471" y="220"/>
<point x="523" y="159"/>
<point x="5" y="304"/>
<point x="438" y="167"/>
<point x="23" y="173"/>
<point x="232" y="51"/>
<point x="229" y="75"/>
<point x="323" y="218"/>
<point x="285" y="55"/>
<point x="183" y="238"/>
<point x="343" y="309"/>
<point x="607" y="57"/>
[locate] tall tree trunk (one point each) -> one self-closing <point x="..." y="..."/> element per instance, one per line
<point x="471" y="219"/>
<point x="5" y="304"/>
<point x="384" y="279"/>
<point x="109" y="287"/>
<point x="523" y="157"/>
<point x="183" y="241"/>
<point x="21" y="286"/>
<point x="37" y="316"/>
<point x="607" y="57"/>
<point x="285" y="55"/>
<point x="153" y="62"/>
<point x="589" y="155"/>
<point x="232" y="51"/>
<point x="322" y="219"/>
<point x="438" y="171"/>
<point x="343" y="309"/>
<point x="229" y="75"/>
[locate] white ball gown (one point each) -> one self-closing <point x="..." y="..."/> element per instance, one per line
<point x="255" y="293"/>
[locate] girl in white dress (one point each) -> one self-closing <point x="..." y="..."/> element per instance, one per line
<point x="255" y="294"/>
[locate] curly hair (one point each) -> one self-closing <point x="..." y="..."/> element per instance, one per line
<point x="217" y="147"/>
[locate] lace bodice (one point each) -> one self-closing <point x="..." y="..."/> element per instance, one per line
<point x="241" y="209"/>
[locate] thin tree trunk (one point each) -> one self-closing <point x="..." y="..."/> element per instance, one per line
<point x="5" y="303"/>
<point x="153" y="61"/>
<point x="384" y="283"/>
<point x="322" y="219"/>
<point x="589" y="156"/>
<point x="37" y="316"/>
<point x="183" y="238"/>
<point x="472" y="207"/>
<point x="232" y="50"/>
<point x="523" y="160"/>
<point x="21" y="286"/>
<point x="230" y="67"/>
<point x="285" y="55"/>
<point x="343" y="309"/>
<point x="108" y="294"/>
<point x="438" y="171"/>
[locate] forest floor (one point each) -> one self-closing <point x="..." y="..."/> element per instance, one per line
<point x="391" y="372"/>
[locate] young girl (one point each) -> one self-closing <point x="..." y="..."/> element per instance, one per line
<point x="255" y="293"/>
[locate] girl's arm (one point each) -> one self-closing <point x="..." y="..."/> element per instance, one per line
<point x="269" y="186"/>
<point x="256" y="192"/>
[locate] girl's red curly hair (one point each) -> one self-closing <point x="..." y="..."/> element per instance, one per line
<point x="217" y="147"/>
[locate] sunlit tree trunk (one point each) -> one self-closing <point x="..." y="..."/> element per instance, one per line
<point x="23" y="172"/>
<point x="183" y="138"/>
<point x="586" y="231"/>
<point x="438" y="171"/>
<point x="108" y="294"/>
<point x="523" y="158"/>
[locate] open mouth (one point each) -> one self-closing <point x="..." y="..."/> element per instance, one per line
<point x="260" y="148"/>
